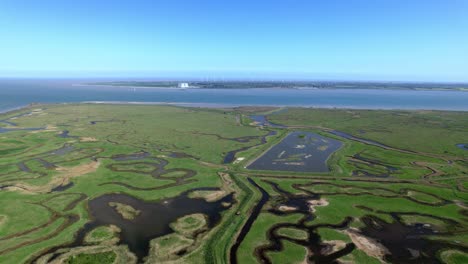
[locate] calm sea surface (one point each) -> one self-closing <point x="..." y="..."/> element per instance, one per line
<point x="17" y="93"/>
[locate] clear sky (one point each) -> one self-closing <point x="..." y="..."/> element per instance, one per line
<point x="348" y="39"/>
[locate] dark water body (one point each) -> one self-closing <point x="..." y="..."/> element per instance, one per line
<point x="23" y="167"/>
<point x="61" y="151"/>
<point x="407" y="243"/>
<point x="154" y="219"/>
<point x="16" y="93"/>
<point x="66" y="134"/>
<point x="133" y="156"/>
<point x="463" y="146"/>
<point x="62" y="188"/>
<point x="298" y="151"/>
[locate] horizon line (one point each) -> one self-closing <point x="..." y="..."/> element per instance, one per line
<point x="232" y="79"/>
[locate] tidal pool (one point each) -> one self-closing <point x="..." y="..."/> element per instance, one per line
<point x="154" y="219"/>
<point x="298" y="151"/>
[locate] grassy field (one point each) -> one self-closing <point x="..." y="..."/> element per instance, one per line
<point x="435" y="132"/>
<point x="401" y="198"/>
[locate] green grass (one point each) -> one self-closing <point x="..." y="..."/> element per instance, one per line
<point x="102" y="258"/>
<point x="100" y="234"/>
<point x="189" y="224"/>
<point x="455" y="257"/>
<point x="257" y="236"/>
<point x="291" y="254"/>
<point x="437" y="131"/>
<point x="29" y="220"/>
<point x="293" y="233"/>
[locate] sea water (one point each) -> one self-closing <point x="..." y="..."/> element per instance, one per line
<point x="17" y="93"/>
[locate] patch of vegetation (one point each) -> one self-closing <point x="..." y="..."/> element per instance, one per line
<point x="125" y="210"/>
<point x="393" y="128"/>
<point x="454" y="256"/>
<point x="102" y="234"/>
<point x="101" y="258"/>
<point x="293" y="233"/>
<point x="168" y="247"/>
<point x="189" y="225"/>
<point x="414" y="181"/>
<point x="290" y="254"/>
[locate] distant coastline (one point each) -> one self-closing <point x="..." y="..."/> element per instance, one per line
<point x="299" y="85"/>
<point x="13" y="95"/>
<point x="14" y="109"/>
<point x="220" y="106"/>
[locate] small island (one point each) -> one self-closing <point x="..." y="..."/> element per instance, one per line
<point x="125" y="210"/>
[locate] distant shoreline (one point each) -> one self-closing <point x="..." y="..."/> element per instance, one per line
<point x="221" y="106"/>
<point x="14" y="109"/>
<point x="214" y="106"/>
<point x="174" y="85"/>
<point x="16" y="94"/>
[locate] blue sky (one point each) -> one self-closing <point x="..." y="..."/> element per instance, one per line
<point x="329" y="39"/>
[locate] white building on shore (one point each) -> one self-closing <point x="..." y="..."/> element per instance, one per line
<point x="184" y="85"/>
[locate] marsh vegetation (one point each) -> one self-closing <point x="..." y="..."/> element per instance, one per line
<point x="86" y="183"/>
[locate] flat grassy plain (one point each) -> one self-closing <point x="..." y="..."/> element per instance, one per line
<point x="435" y="132"/>
<point x="403" y="201"/>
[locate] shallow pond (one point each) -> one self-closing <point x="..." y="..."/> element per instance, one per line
<point x="133" y="156"/>
<point x="62" y="188"/>
<point x="61" y="151"/>
<point x="66" y="134"/>
<point x="463" y="146"/>
<point x="298" y="151"/>
<point x="154" y="219"/>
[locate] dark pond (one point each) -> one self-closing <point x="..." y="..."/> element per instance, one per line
<point x="133" y="156"/>
<point x="463" y="146"/>
<point x="298" y="151"/>
<point x="407" y="243"/>
<point x="23" y="167"/>
<point x="62" y="188"/>
<point x="66" y="134"/>
<point x="154" y="219"/>
<point x="61" y="151"/>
